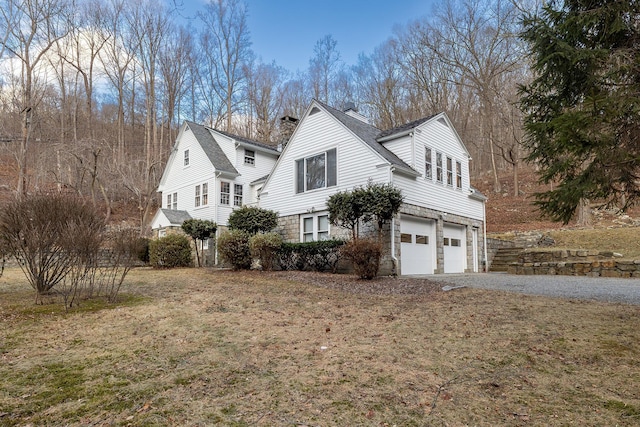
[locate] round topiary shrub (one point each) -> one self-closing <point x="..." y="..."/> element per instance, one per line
<point x="170" y="251"/>
<point x="233" y="247"/>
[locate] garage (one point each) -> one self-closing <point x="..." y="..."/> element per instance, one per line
<point x="455" y="248"/>
<point x="417" y="245"/>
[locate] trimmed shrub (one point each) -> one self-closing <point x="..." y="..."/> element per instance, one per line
<point x="265" y="247"/>
<point x="253" y="220"/>
<point x="319" y="256"/>
<point x="170" y="251"/>
<point x="365" y="256"/>
<point x="233" y="247"/>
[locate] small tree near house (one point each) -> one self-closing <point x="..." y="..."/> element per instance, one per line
<point x="199" y="230"/>
<point x="374" y="203"/>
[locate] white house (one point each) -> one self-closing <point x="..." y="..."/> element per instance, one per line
<point x="440" y="228"/>
<point x="208" y="174"/>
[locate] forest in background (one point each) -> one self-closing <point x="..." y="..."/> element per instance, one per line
<point x="92" y="92"/>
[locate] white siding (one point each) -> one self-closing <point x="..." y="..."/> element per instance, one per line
<point x="356" y="164"/>
<point x="402" y="148"/>
<point x="183" y="179"/>
<point x="426" y="192"/>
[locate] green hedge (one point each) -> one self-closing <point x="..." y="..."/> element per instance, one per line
<point x="170" y="251"/>
<point x="318" y="256"/>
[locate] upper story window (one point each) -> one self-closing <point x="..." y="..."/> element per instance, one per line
<point x="439" y="167"/>
<point x="458" y="175"/>
<point x="186" y="157"/>
<point x="172" y="201"/>
<point x="225" y="193"/>
<point x="249" y="157"/>
<point x="237" y="195"/>
<point x="315" y="227"/>
<point x="202" y="195"/>
<point x="427" y="163"/>
<point x="317" y="171"/>
<point x="449" y="171"/>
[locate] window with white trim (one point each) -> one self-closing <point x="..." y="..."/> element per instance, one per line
<point x="237" y="195"/>
<point x="249" y="157"/>
<point x="225" y="192"/>
<point x="172" y="202"/>
<point x="458" y="175"/>
<point x="197" y="201"/>
<point x="439" y="167"/>
<point x="317" y="171"/>
<point x="427" y="163"/>
<point x="186" y="157"/>
<point x="314" y="228"/>
<point x="449" y="171"/>
<point x="162" y="232"/>
<point x="205" y="194"/>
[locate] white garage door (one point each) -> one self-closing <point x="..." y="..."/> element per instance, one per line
<point x="455" y="249"/>
<point x="417" y="245"/>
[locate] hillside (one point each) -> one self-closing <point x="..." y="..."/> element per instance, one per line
<point x="509" y="216"/>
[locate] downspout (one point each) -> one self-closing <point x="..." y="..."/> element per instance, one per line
<point x="394" y="259"/>
<point x="215" y="213"/>
<point x="484" y="237"/>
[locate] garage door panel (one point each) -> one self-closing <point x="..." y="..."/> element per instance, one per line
<point x="455" y="252"/>
<point x="417" y="246"/>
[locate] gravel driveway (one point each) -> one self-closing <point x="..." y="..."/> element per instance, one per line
<point x="573" y="287"/>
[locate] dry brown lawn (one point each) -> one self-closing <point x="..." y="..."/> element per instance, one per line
<point x="199" y="347"/>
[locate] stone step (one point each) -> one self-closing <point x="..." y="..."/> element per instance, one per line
<point x="504" y="257"/>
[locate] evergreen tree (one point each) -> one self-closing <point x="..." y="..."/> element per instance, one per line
<point x="583" y="106"/>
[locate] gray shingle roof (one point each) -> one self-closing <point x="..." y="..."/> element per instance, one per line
<point x="404" y="128"/>
<point x="213" y="151"/>
<point x="249" y="141"/>
<point x="369" y="134"/>
<point x="176" y="216"/>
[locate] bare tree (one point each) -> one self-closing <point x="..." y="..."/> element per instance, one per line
<point x="32" y="30"/>
<point x="324" y="66"/>
<point x="265" y="94"/>
<point x="226" y="46"/>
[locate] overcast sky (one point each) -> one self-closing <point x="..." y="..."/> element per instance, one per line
<point x="286" y="31"/>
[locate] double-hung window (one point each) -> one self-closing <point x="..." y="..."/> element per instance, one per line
<point x="427" y="163"/>
<point x="225" y="193"/>
<point x="439" y="167"/>
<point x="202" y="195"/>
<point x="449" y="171"/>
<point x="186" y="157"/>
<point x="205" y="194"/>
<point x="172" y="204"/>
<point x="315" y="227"/>
<point x="317" y="171"/>
<point x="237" y="195"/>
<point x="197" y="201"/>
<point x="249" y="157"/>
<point x="458" y="175"/>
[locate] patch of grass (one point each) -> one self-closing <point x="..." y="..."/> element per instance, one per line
<point x="283" y="352"/>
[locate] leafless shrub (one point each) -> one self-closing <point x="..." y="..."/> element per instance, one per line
<point x="51" y="237"/>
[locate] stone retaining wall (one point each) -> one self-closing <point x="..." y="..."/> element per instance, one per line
<point x="575" y="263"/>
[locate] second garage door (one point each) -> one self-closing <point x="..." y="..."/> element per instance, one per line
<point x="455" y="249"/>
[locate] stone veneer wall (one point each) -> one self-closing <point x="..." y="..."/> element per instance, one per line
<point x="289" y="228"/>
<point x="575" y="263"/>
